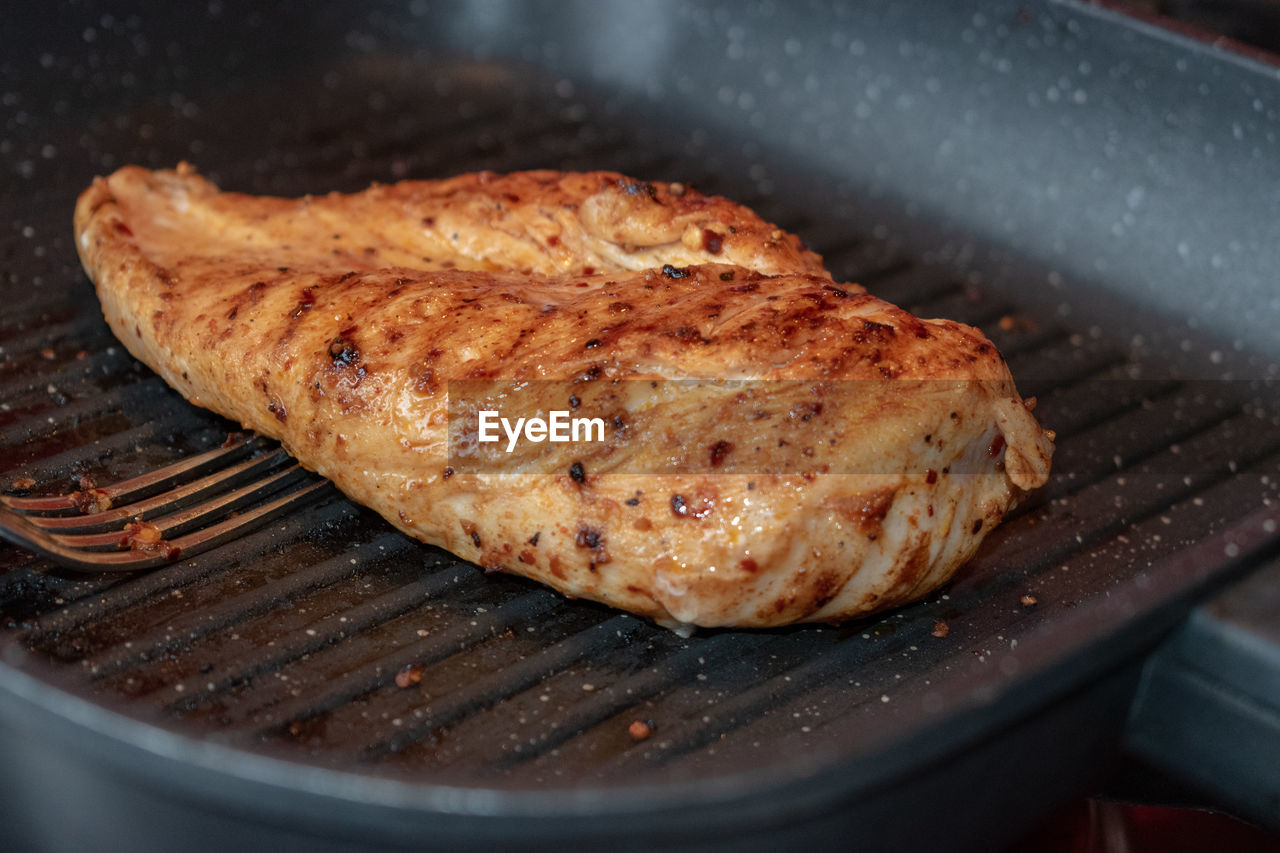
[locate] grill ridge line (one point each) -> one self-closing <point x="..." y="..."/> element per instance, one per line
<point x="792" y="684"/>
<point x="124" y="593"/>
<point x="516" y="678"/>
<point x="327" y="631"/>
<point x="631" y="690"/>
<point x="1111" y="553"/>
<point x="1022" y="536"/>
<point x="75" y="412"/>
<point x="231" y="611"/>
<point x="437" y="647"/>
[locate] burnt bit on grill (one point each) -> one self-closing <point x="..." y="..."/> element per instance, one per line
<point x="726" y="276"/>
<point x="675" y="272"/>
<point x="410" y="675"/>
<point x="719" y="451"/>
<point x="144" y="537"/>
<point x="577" y="473"/>
<point x="634" y="500"/>
<point x="533" y="540"/>
<point x="593" y="343"/>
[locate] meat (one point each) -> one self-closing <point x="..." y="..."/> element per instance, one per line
<point x="777" y="447"/>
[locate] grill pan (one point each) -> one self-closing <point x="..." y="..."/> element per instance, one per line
<point x="1096" y="194"/>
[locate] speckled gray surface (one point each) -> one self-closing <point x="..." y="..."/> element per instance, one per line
<point x="1121" y="158"/>
<point x="1002" y="136"/>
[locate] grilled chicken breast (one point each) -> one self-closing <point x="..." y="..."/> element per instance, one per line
<point x="778" y="447"/>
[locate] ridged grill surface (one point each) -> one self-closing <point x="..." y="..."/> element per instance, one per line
<point x="291" y="639"/>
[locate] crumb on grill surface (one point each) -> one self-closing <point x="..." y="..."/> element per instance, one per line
<point x="640" y="730"/>
<point x="22" y="485"/>
<point x="409" y="676"/>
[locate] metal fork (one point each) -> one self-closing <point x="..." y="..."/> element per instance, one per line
<point x="165" y="515"/>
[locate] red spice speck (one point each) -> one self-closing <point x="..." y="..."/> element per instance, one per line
<point x="640" y="730"/>
<point x="410" y="675"/>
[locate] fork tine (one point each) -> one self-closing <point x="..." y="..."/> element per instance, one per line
<point x="13" y="526"/>
<point x="180" y="523"/>
<point x="146" y="484"/>
<point x="165" y="502"/>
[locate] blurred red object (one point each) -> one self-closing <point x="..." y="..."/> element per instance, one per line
<point x="1103" y="826"/>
